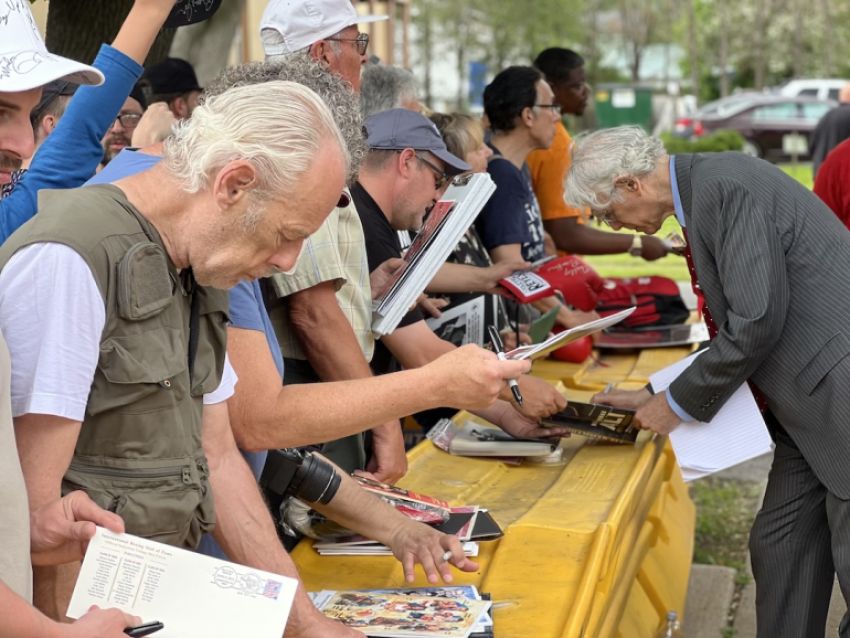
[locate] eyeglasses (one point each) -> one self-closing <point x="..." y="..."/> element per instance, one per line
<point x="361" y="42"/>
<point x="441" y="177"/>
<point x="556" y="108"/>
<point x="129" y="120"/>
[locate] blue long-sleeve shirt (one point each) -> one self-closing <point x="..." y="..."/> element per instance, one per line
<point x="70" y="154"/>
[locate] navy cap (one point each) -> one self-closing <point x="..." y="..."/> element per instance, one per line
<point x="397" y="129"/>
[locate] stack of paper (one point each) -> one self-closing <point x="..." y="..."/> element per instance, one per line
<point x="446" y="223"/>
<point x="409" y="615"/>
<point x="361" y="546"/>
<point x="736" y="434"/>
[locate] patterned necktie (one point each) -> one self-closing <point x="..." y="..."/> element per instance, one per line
<point x="702" y="306"/>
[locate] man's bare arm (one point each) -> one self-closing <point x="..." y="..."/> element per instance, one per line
<point x="334" y="352"/>
<point x="265" y="415"/>
<point x="244" y="527"/>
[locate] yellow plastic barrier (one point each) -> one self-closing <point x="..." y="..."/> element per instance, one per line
<point x="597" y="546"/>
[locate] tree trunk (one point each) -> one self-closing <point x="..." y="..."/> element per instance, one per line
<point x="77" y="29"/>
<point x="206" y="45"/>
<point x="723" y="54"/>
<point x="693" y="48"/>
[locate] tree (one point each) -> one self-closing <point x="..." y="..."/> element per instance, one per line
<point x="77" y="29"/>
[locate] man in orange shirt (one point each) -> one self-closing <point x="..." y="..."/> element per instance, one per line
<point x="564" y="71"/>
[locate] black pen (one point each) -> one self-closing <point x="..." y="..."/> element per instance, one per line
<point x="496" y="340"/>
<point x="144" y="630"/>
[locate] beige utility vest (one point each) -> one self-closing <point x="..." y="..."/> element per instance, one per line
<point x="139" y="452"/>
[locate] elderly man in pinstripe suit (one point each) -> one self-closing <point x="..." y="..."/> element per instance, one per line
<point x="774" y="266"/>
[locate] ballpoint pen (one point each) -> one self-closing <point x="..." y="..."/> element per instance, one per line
<point x="496" y="340"/>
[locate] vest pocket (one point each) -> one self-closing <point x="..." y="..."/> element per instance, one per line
<point x="140" y="367"/>
<point x="167" y="501"/>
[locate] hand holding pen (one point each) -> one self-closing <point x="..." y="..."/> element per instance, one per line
<point x="499" y="348"/>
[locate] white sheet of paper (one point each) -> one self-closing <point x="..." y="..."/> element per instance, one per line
<point x="193" y="595"/>
<point x="537" y="350"/>
<point x="736" y="434"/>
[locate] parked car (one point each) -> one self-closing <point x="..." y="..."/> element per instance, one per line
<point x="691" y="125"/>
<point x="822" y="88"/>
<point x="774" y="127"/>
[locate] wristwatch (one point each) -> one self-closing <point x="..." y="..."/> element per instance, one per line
<point x="636" y="249"/>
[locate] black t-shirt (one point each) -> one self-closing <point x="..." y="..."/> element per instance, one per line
<point x="382" y="243"/>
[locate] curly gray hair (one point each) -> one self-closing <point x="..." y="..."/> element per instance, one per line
<point x="602" y="157"/>
<point x="301" y="69"/>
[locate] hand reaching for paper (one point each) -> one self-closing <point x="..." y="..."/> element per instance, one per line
<point x="540" y="399"/>
<point x="474" y="377"/>
<point x="412" y="542"/>
<point x="383" y="274"/>
<point x="521" y="427"/>
<point x="652" y="412"/>
<point x="60" y="531"/>
<point x="99" y="623"/>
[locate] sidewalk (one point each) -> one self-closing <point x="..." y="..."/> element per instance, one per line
<point x="716" y="606"/>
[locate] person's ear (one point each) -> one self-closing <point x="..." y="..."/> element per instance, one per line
<point x="322" y="51"/>
<point x="628" y="183"/>
<point x="406" y="160"/>
<point x="48" y="124"/>
<point x="526" y="116"/>
<point x="234" y="182"/>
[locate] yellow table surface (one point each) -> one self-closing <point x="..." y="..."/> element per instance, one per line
<point x="578" y="534"/>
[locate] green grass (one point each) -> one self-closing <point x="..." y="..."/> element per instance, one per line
<point x="672" y="266"/>
<point x="725" y="512"/>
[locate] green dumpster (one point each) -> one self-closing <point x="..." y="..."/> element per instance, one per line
<point x="618" y="104"/>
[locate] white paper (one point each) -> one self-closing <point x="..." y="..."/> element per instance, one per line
<point x="193" y="595"/>
<point x="736" y="434"/>
<point x="537" y="350"/>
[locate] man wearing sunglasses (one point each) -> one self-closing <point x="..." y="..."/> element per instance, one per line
<point x="408" y="169"/>
<point x="322" y="314"/>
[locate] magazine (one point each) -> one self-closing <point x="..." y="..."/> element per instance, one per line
<point x="403" y="616"/>
<point x="473" y="439"/>
<point x="443" y="228"/>
<point x="596" y="421"/>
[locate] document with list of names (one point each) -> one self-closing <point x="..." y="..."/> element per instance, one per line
<point x="193" y="595"/>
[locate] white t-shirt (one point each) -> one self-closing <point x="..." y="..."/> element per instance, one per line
<point x="54" y="358"/>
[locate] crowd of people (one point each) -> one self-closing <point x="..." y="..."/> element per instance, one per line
<point x="186" y="285"/>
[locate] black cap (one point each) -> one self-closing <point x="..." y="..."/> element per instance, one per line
<point x="49" y="93"/>
<point x="171" y="76"/>
<point x="190" y="11"/>
<point x="138" y="94"/>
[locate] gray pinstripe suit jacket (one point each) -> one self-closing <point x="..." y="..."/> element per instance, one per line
<point x="774" y="264"/>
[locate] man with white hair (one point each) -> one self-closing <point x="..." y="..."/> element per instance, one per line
<point x="112" y="301"/>
<point x="386" y="87"/>
<point x="322" y="314"/>
<point x="777" y="310"/>
<point x="56" y="530"/>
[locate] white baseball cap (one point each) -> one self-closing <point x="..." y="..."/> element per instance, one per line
<point x="296" y="24"/>
<point x="25" y="62"/>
